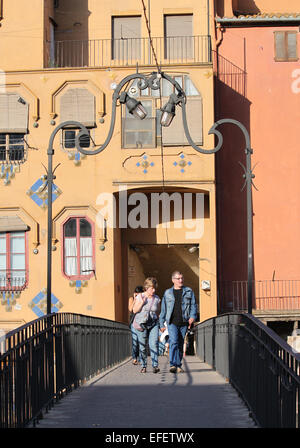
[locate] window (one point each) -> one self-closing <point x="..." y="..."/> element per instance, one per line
<point x="178" y="36"/>
<point x="13" y="113"/>
<point x="139" y="133"/>
<point x="12" y="260"/>
<point x="286" y="46"/>
<point x="78" y="257"/>
<point x="69" y="139"/>
<point x="126" y="38"/>
<point x="147" y="133"/>
<point x="12" y="147"/>
<point x="78" y="105"/>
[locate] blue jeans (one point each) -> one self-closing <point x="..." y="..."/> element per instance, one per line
<point x="150" y="336"/>
<point x="135" y="343"/>
<point x="176" y="339"/>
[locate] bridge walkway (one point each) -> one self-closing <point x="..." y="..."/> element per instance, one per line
<point x="125" y="398"/>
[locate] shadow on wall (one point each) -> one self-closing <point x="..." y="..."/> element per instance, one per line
<point x="231" y="201"/>
<point x="71" y="33"/>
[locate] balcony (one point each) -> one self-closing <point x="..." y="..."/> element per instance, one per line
<point x="13" y="280"/>
<point x="268" y="295"/>
<point x="129" y="52"/>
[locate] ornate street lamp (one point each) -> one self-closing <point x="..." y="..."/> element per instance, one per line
<point x="178" y="98"/>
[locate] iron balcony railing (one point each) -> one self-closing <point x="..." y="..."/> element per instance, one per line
<point x="257" y="362"/>
<point x="268" y="295"/>
<point x="51" y="355"/>
<point x="13" y="280"/>
<point x="129" y="52"/>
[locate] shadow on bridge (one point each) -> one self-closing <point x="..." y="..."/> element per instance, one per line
<point x="126" y="398"/>
<point x="53" y="355"/>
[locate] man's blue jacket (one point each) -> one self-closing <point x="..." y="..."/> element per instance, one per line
<point x="188" y="305"/>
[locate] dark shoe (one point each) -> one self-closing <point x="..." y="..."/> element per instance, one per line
<point x="173" y="369"/>
<point x="143" y="370"/>
<point x="180" y="370"/>
<point x="156" y="370"/>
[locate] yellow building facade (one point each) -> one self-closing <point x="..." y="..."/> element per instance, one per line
<point x="63" y="63"/>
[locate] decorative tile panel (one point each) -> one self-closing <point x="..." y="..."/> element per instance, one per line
<point x="182" y="163"/>
<point x="39" y="303"/>
<point x="8" y="299"/>
<point x="38" y="192"/>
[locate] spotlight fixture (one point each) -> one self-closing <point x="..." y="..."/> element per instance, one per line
<point x="134" y="107"/>
<point x="21" y="100"/>
<point x="193" y="249"/>
<point x="168" y="110"/>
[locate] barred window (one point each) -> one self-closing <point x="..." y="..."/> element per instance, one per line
<point x="12" y="147"/>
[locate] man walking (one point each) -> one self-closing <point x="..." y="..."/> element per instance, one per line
<point x="179" y="310"/>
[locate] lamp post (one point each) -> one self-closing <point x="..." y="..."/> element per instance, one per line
<point x="135" y="107"/>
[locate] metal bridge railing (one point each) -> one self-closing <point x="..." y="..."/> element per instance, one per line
<point x="258" y="363"/>
<point x="51" y="355"/>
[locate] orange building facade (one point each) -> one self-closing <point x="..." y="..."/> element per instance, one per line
<point x="257" y="82"/>
<point x="63" y="63"/>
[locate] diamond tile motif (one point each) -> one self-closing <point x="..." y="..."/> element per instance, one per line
<point x="145" y="164"/>
<point x="39" y="303"/>
<point x="182" y="163"/>
<point x="38" y="192"/>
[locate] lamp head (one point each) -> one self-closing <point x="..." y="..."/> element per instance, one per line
<point x="134" y="106"/>
<point x="168" y="110"/>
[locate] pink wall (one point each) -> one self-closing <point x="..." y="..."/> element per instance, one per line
<point x="272" y="115"/>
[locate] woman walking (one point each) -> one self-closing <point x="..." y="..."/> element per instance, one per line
<point x="134" y="337"/>
<point x="146" y="309"/>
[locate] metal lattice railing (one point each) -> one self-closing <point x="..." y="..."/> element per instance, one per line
<point x="259" y="364"/>
<point x="50" y="356"/>
<point x="268" y="295"/>
<point x="129" y="51"/>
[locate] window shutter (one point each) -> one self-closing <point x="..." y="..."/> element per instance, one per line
<point x="179" y="36"/>
<point x="12" y="224"/>
<point x="78" y="105"/>
<point x="126" y="35"/>
<point x="286" y="46"/>
<point x="13" y="114"/>
<point x="174" y="135"/>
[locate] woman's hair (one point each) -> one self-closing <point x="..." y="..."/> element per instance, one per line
<point x="150" y="281"/>
<point x="139" y="289"/>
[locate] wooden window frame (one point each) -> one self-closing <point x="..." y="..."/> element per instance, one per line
<point x="78" y="276"/>
<point x="286" y="58"/>
<point x="8" y="238"/>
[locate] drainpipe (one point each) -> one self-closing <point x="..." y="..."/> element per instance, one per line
<point x="150" y="29"/>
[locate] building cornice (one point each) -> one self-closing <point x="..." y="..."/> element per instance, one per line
<point x="260" y="19"/>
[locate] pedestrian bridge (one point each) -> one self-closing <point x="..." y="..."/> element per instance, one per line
<point x="74" y="371"/>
